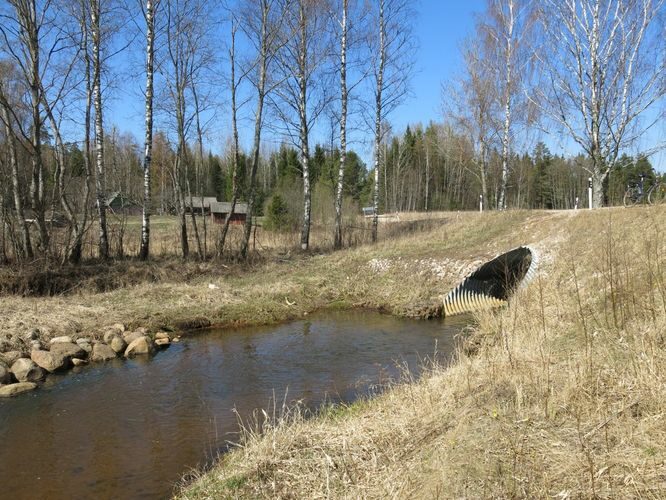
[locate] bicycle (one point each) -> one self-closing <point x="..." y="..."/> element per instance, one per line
<point x="636" y="194"/>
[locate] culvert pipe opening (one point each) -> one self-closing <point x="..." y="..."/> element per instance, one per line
<point x="492" y="283"/>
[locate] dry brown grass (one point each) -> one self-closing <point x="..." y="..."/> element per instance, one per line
<point x="560" y="395"/>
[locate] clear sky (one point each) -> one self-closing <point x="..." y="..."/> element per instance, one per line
<point x="440" y="26"/>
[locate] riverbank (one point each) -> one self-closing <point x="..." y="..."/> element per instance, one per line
<point x="561" y="394"/>
<point x="403" y="276"/>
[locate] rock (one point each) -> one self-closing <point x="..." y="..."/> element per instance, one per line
<point x="176" y="339"/>
<point x="118" y="326"/>
<point x="84" y="344"/>
<point x="118" y="345"/>
<point x="161" y="335"/>
<point x="64" y="339"/>
<point x="25" y="370"/>
<point x="102" y="352"/>
<point x="10" y="356"/>
<point x="68" y="349"/>
<point x="5" y="373"/>
<point x="130" y="337"/>
<point x="109" y="335"/>
<point x="50" y="361"/>
<point x="162" y="342"/>
<point x="35" y="344"/>
<point x="7" y="391"/>
<point x="79" y="361"/>
<point x="142" y="345"/>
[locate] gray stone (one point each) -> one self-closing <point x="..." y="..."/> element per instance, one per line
<point x="142" y="345"/>
<point x="50" y="361"/>
<point x="102" y="352"/>
<point x="79" y="361"/>
<point x="161" y="335"/>
<point x="162" y="343"/>
<point x="5" y="373"/>
<point x="117" y="344"/>
<point x="63" y="339"/>
<point x="84" y="344"/>
<point x="130" y="337"/>
<point x="10" y="356"/>
<point x="117" y="326"/>
<point x="68" y="349"/>
<point x="109" y="335"/>
<point x="25" y="370"/>
<point x="35" y="344"/>
<point x="7" y="391"/>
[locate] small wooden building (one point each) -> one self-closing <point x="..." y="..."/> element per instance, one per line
<point x="220" y="209"/>
<point x="120" y="204"/>
<point x="199" y="205"/>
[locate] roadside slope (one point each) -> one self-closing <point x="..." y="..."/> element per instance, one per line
<point x="561" y="394"/>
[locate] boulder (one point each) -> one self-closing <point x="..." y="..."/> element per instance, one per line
<point x="10" y="356"/>
<point x="161" y="335"/>
<point x="25" y="370"/>
<point x="102" y="352"/>
<point x="50" y="361"/>
<point x="162" y="343"/>
<point x="130" y="337"/>
<point x="109" y="335"/>
<point x="5" y="373"/>
<point x="79" y="361"/>
<point x="68" y="349"/>
<point x="63" y="339"/>
<point x="118" y="327"/>
<point x="117" y="344"/>
<point x="142" y="345"/>
<point x="7" y="391"/>
<point x="84" y="344"/>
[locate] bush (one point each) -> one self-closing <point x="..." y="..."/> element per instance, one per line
<point x="277" y="216"/>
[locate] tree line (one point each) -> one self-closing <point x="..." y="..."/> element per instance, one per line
<point x="287" y="70"/>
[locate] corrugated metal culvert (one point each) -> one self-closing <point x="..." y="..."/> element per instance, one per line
<point x="492" y="284"/>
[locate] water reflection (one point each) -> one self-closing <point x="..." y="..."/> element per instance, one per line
<point x="130" y="429"/>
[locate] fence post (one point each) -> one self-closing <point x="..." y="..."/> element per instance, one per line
<point x="481" y="203"/>
<point x="589" y="191"/>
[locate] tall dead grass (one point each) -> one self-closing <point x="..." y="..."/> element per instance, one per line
<point x="560" y="395"/>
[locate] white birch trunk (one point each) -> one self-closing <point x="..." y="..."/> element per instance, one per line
<point x="148" y="142"/>
<point x="99" y="129"/>
<point x="378" y="118"/>
<point x="337" y="242"/>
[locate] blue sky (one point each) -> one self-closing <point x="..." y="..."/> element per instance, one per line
<point x="440" y="25"/>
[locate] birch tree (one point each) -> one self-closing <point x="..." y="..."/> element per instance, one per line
<point x="506" y="28"/>
<point x="392" y="65"/>
<point x="604" y="75"/>
<point x="304" y="91"/>
<point x="261" y="23"/>
<point x="149" y="16"/>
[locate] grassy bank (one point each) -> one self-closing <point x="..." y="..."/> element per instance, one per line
<point x="559" y="395"/>
<point x="400" y="273"/>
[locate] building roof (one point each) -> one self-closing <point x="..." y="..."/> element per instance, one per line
<point x="224" y="207"/>
<point x="196" y="201"/>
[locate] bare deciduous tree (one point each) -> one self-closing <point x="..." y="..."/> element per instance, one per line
<point x="392" y="64"/>
<point x="149" y="15"/>
<point x="604" y="69"/>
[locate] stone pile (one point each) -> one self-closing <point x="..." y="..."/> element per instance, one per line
<point x="21" y="370"/>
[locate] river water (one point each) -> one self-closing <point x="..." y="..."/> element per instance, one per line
<point x="131" y="429"/>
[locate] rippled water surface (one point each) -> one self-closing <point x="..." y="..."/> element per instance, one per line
<point x="131" y="429"/>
